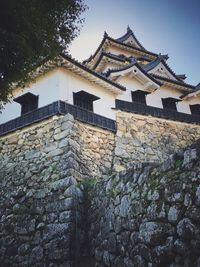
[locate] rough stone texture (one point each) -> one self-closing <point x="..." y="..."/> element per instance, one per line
<point x="41" y="192"/>
<point x="97" y="148"/>
<point x="142" y="216"/>
<point x="148" y="215"/>
<point x="143" y="138"/>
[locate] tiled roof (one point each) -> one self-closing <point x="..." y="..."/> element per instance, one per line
<point x="186" y="85"/>
<point x="127" y="35"/>
<point x="133" y="63"/>
<point x="196" y="89"/>
<point x="120" y="58"/>
<point x="80" y="65"/>
<point x="106" y="37"/>
<point x="155" y="62"/>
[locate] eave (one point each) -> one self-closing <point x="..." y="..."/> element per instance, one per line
<point x="71" y="64"/>
<point x="134" y="70"/>
<point x="108" y="57"/>
<point x="191" y="95"/>
<point x="174" y="84"/>
<point x="152" y="65"/>
<point x="195" y="93"/>
<point x="107" y="40"/>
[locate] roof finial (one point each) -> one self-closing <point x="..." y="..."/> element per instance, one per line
<point x="165" y="56"/>
<point x="128" y="29"/>
<point x="105" y="34"/>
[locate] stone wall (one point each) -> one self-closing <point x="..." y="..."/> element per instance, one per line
<point x="97" y="148"/>
<point x="145" y="138"/>
<point x="44" y="201"/>
<point x="41" y="202"/>
<point x="41" y="193"/>
<point x="148" y="215"/>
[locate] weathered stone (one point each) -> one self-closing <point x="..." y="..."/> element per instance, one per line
<point x="154" y="233"/>
<point x="23" y="249"/>
<point x="186" y="229"/>
<point x="126" y="220"/>
<point x="145" y="174"/>
<point x="189" y="156"/>
<point x="106" y="258"/>
<point x="169" y="164"/>
<point x="98" y="254"/>
<point x="66" y="125"/>
<point x="174" y="214"/>
<point x="198" y="196"/>
<point x="163" y="254"/>
<point x="193" y="213"/>
<point x="66" y="216"/>
<point x="153" y="195"/>
<point x="37" y="254"/>
<point x="13" y="139"/>
<point x="124" y="206"/>
<point x="25" y="227"/>
<point x="55" y="153"/>
<point x="187" y="200"/>
<point x="62" y="205"/>
<point x="57" y="229"/>
<point x="62" y="134"/>
<point x="138" y="261"/>
<point x="32" y="154"/>
<point x="62" y="183"/>
<point x="50" y="147"/>
<point x="20" y="192"/>
<point x="40" y="226"/>
<point x="68" y="117"/>
<point x="41" y="193"/>
<point x="181" y="247"/>
<point x="63" y="143"/>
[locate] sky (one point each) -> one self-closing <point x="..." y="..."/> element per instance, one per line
<point x="162" y="26"/>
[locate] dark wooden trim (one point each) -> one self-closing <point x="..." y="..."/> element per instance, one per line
<point x="58" y="107"/>
<point x="156" y="112"/>
<point x="88" y="116"/>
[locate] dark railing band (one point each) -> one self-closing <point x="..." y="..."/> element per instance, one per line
<point x="140" y="108"/>
<point x="58" y="107"/>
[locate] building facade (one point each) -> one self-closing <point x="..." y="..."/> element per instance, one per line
<point x="121" y="74"/>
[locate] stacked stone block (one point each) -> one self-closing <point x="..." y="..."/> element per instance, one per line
<point x="148" y="215"/>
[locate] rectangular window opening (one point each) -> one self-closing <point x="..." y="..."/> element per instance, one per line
<point x="84" y="100"/>
<point x="170" y="103"/>
<point x="28" y="102"/>
<point x="139" y="96"/>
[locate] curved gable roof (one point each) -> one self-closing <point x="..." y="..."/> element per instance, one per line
<point x="161" y="59"/>
<point x="129" y="34"/>
<point x="182" y="85"/>
<point x="117" y="58"/>
<point x="115" y="41"/>
<point x="133" y="63"/>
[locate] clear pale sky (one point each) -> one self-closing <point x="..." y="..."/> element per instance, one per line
<point x="162" y="26"/>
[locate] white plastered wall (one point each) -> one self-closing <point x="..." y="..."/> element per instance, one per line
<point x="46" y="87"/>
<point x="191" y="101"/>
<point x="131" y="84"/>
<point x="70" y="82"/>
<point x="155" y="98"/>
